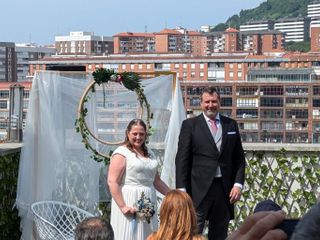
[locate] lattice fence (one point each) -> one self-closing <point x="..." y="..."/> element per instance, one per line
<point x="291" y="179"/>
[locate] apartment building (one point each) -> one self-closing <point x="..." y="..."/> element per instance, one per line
<point x="262" y="42"/>
<point x="128" y="42"/>
<point x="232" y="40"/>
<point x="315" y="36"/>
<point x="8" y="64"/>
<point x="274" y="99"/>
<point x="257" y="26"/>
<point x="296" y="29"/>
<point x="83" y="43"/>
<point x="182" y="41"/>
<point x="26" y="52"/>
<point x="215" y="42"/>
<point x="314" y="10"/>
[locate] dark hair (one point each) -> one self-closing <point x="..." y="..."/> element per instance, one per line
<point x="94" y="228"/>
<point x="210" y="90"/>
<point x="132" y="123"/>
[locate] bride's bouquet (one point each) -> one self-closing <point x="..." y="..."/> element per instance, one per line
<point x="145" y="208"/>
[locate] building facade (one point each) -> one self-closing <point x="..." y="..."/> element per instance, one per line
<point x="274" y="99"/>
<point x="8" y="63"/>
<point x="26" y="52"/>
<point x="296" y="29"/>
<point x="83" y="43"/>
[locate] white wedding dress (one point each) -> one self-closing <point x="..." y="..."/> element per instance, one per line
<point x="138" y="177"/>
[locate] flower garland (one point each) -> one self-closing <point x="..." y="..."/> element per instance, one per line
<point x="129" y="80"/>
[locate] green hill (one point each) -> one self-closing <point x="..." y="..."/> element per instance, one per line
<point x="269" y="10"/>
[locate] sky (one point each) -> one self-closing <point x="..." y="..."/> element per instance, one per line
<point x="39" y="21"/>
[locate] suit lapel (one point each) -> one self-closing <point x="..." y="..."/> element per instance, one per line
<point x="204" y="126"/>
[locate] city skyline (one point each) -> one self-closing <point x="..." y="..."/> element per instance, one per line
<point x="36" y="23"/>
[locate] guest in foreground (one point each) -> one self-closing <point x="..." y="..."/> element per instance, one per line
<point x="177" y="218"/>
<point x="210" y="164"/>
<point x="261" y="226"/>
<point x="94" y="228"/>
<point x="309" y="226"/>
<point x="133" y="173"/>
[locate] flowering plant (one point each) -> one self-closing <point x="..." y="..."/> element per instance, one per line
<point x="145" y="208"/>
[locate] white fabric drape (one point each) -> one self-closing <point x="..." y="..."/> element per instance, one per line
<point x="54" y="164"/>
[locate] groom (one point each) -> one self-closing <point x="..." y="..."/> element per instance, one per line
<point x="210" y="164"/>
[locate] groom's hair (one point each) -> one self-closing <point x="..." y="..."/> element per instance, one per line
<point x="210" y="90"/>
<point x="94" y="228"/>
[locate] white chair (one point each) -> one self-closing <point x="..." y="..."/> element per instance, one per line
<point x="57" y="220"/>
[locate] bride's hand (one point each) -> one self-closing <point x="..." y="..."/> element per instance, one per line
<point x="128" y="211"/>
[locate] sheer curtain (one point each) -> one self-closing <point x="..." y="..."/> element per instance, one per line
<point x="54" y="164"/>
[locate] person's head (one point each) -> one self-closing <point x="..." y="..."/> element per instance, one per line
<point x="136" y="135"/>
<point x="177" y="217"/>
<point x="94" y="228"/>
<point x="266" y="205"/>
<point x="309" y="226"/>
<point x="210" y="102"/>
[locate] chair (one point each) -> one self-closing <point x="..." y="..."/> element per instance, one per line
<point x="57" y="220"/>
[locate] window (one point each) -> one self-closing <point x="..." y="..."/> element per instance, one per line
<point x="271" y="102"/>
<point x="230" y="65"/>
<point x="239" y="74"/>
<point x="239" y="66"/>
<point x="184" y="66"/>
<point x="176" y="65"/>
<point x="132" y="66"/>
<point x="231" y="74"/>
<point x="4" y="94"/>
<point x="148" y="66"/>
<point x="272" y="90"/>
<point x="3" y="105"/>
<point x="247" y="102"/>
<point x="140" y="66"/>
<point x="26" y="93"/>
<point x="201" y="74"/>
<point x="193" y="66"/>
<point x="123" y="67"/>
<point x="184" y="74"/>
<point x="201" y="65"/>
<point x="193" y="74"/>
<point x="247" y="113"/>
<point x="226" y="102"/>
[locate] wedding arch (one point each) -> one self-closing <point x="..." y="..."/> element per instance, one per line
<point x="55" y="164"/>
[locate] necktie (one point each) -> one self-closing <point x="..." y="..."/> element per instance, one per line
<point x="214" y="127"/>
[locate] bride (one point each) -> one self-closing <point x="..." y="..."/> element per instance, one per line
<point x="132" y="172"/>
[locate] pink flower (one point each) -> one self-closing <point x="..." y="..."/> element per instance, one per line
<point x="119" y="78"/>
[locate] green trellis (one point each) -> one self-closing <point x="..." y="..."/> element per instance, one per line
<point x="291" y="181"/>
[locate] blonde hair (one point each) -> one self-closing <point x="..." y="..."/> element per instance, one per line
<point x="177" y="217"/>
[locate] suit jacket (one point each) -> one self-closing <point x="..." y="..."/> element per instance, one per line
<point x="197" y="158"/>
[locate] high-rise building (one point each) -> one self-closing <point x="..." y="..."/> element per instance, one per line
<point x="257" y="26"/>
<point x="296" y="29"/>
<point x="26" y="52"/>
<point x="83" y="43"/>
<point x="8" y="66"/>
<point x="314" y="10"/>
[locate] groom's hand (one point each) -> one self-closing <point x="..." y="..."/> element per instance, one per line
<point x="235" y="194"/>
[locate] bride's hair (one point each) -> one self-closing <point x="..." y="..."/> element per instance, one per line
<point x="177" y="218"/>
<point x="136" y="122"/>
